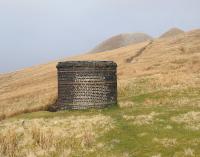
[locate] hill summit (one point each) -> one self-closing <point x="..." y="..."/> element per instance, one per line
<point x="121" y="40"/>
<point x="172" y="32"/>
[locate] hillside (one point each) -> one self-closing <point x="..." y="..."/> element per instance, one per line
<point x="172" y="32"/>
<point x="121" y="40"/>
<point x="158" y="112"/>
<point x="36" y="87"/>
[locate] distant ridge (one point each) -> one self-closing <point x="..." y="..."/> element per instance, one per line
<point x="121" y="40"/>
<point x="172" y="32"/>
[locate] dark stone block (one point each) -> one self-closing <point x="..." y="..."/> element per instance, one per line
<point x="86" y="84"/>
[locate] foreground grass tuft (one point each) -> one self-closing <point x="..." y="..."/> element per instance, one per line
<point x="47" y="137"/>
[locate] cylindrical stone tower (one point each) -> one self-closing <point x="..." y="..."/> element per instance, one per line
<point x="86" y="84"/>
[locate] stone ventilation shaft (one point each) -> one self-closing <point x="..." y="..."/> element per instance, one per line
<point x="86" y="84"/>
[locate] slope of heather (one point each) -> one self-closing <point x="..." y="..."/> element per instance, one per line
<point x="172" y="32"/>
<point x="121" y="41"/>
<point x="167" y="63"/>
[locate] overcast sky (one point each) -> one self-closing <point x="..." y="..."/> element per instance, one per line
<point x="39" y="31"/>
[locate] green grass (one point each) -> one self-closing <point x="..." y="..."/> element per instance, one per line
<point x="127" y="133"/>
<point x="129" y="139"/>
<point x="124" y="138"/>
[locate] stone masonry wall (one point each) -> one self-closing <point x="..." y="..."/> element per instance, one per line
<point x="86" y="84"/>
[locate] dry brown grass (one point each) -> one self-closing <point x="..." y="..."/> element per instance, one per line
<point x="125" y="104"/>
<point x="9" y="143"/>
<point x="157" y="155"/>
<point x="189" y="152"/>
<point x="42" y="137"/>
<point x="53" y="137"/>
<point x="166" y="142"/>
<point x="191" y="120"/>
<point x="141" y="119"/>
<point x="172" y="62"/>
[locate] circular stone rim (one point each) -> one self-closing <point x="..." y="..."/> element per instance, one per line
<point x="86" y="64"/>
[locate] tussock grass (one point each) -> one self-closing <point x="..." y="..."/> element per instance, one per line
<point x="45" y="137"/>
<point x="166" y="142"/>
<point x="9" y="144"/>
<point x="42" y="137"/>
<point x="189" y="152"/>
<point x="158" y="155"/>
<point x="141" y="119"/>
<point x="191" y="120"/>
<point x="126" y="104"/>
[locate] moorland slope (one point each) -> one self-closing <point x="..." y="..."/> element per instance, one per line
<point x="172" y="62"/>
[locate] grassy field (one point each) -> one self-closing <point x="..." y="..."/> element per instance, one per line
<point x="149" y="121"/>
<point x="157" y="115"/>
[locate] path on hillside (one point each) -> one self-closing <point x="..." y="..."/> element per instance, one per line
<point x="139" y="52"/>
